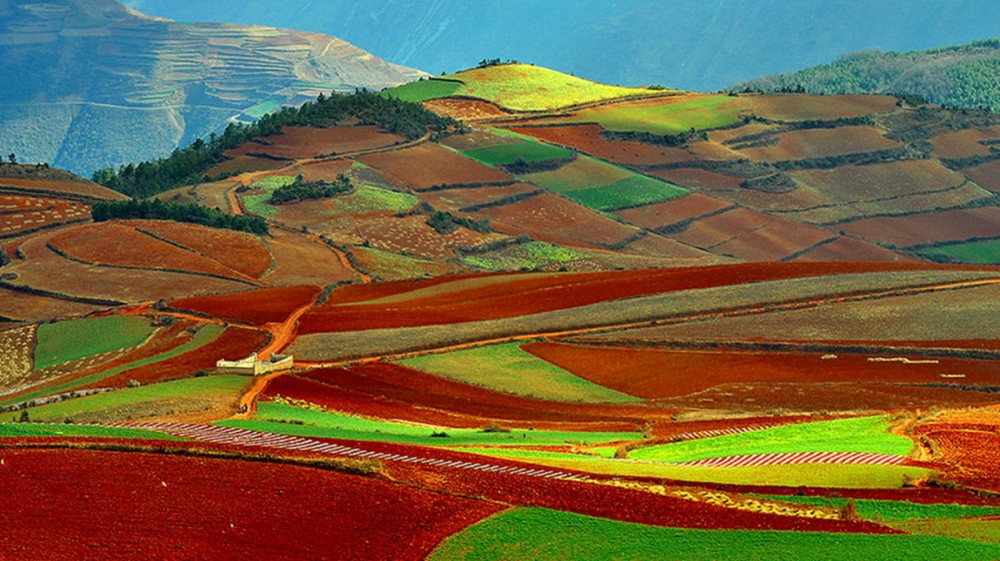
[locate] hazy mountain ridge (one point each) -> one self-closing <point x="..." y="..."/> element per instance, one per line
<point x="961" y="76"/>
<point x="91" y="77"/>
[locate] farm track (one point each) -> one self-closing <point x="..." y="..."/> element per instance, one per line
<point x="255" y="439"/>
<point x="714" y="314"/>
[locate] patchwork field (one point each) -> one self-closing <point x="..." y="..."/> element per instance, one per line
<point x="588" y="139"/>
<point x="668" y="115"/>
<point x="25" y="214"/>
<point x="427" y="166"/>
<point x="905" y="231"/>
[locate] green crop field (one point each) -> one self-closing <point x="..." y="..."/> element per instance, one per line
<point x="524" y="87"/>
<point x="263" y="108"/>
<point x="71" y="340"/>
<point x="583" y="173"/>
<point x="388" y="265"/>
<point x="506" y="368"/>
<point x="893" y="510"/>
<point x="669" y="117"/>
<point x="134" y="402"/>
<point x="260" y="204"/>
<point x="986" y="252"/>
<point x="845" y="476"/>
<point x="983" y="530"/>
<point x="283" y="418"/>
<point x="24" y="430"/>
<point x="863" y="434"/>
<point x="368" y="199"/>
<point x="540" y="534"/>
<point x="634" y="191"/>
<point x="205" y="335"/>
<point x="528" y="151"/>
<point x="531" y="255"/>
<point x="422" y="90"/>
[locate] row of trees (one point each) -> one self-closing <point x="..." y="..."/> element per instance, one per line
<point x="195" y="214"/>
<point x="299" y="190"/>
<point x="188" y="165"/>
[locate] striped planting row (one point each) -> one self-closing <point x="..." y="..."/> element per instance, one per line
<point x="717" y="432"/>
<point x="797" y="458"/>
<point x="249" y="438"/>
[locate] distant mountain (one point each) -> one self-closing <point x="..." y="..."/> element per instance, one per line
<point x="91" y="83"/>
<point x="964" y="76"/>
<point x="691" y="44"/>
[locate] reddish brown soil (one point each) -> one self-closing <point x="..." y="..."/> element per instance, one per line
<point x="751" y="235"/>
<point x="416" y="396"/>
<point x="234" y="343"/>
<point x="464" y="109"/>
<point x="85" y="188"/>
<point x="986" y="176"/>
<point x="798" y="107"/>
<point x="141" y="506"/>
<point x="412" y="234"/>
<point x="527" y="295"/>
<point x="661" y="247"/>
<point x="255" y="307"/>
<point x="303" y="260"/>
<point x="309" y="142"/>
<point x="241" y="252"/>
<point x="820" y="143"/>
<point x="242" y="164"/>
<point x="30" y="308"/>
<point x="356" y="293"/>
<point x="552" y="218"/>
<point x="655" y="373"/>
<point x="121" y="244"/>
<point x="849" y="249"/>
<point x="877" y="182"/>
<point x="960" y="144"/>
<point x="326" y="170"/>
<point x="942" y="226"/>
<point x="698" y="178"/>
<point x="973" y="450"/>
<point x="19" y="214"/>
<point x="587" y="139"/>
<point x="673" y="211"/>
<point x="455" y="199"/>
<point x="428" y="165"/>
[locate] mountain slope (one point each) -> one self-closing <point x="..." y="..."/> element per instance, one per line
<point x="690" y="44"/>
<point x="962" y="76"/>
<point x="91" y="77"/>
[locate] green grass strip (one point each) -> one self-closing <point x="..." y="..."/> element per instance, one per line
<point x="531" y="255"/>
<point x="205" y="335"/>
<point x="64" y="341"/>
<point x="25" y="430"/>
<point x="422" y="90"/>
<point x="508" y="369"/>
<point x="665" y="118"/>
<point x="986" y="252"/>
<point x="630" y="192"/>
<point x="862" y="434"/>
<point x="528" y="151"/>
<point x="893" y="510"/>
<point x="120" y="403"/>
<point x="542" y="534"/>
<point x="281" y="418"/>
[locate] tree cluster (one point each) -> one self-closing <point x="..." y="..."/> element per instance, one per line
<point x="195" y="214"/>
<point x="446" y="223"/>
<point x="487" y="62"/>
<point x="188" y="165"/>
<point x="299" y="190"/>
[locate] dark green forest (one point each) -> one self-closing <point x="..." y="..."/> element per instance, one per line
<point x="156" y="209"/>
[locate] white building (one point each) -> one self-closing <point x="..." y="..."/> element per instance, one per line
<point x="254" y="366"/>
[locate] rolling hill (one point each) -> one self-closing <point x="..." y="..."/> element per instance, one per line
<point x="962" y="76"/>
<point x="87" y="78"/>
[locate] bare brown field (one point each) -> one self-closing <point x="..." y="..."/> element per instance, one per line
<point x="949" y="225"/>
<point x="19" y="214"/>
<point x="17" y="348"/>
<point x="239" y="163"/>
<point x="302" y="260"/>
<point x="698" y="178"/>
<point x="427" y="165"/>
<point x="960" y="144"/>
<point x="324" y="170"/>
<point x="412" y="235"/>
<point x="705" y="150"/>
<point x="773" y="241"/>
<point x="821" y="143"/>
<point x="30" y="308"/>
<point x="797" y="107"/>
<point x="673" y="211"/>
<point x="455" y="199"/>
<point x="724" y="135"/>
<point x="554" y="219"/>
<point x="720" y="228"/>
<point x="587" y="139"/>
<point x="464" y="109"/>
<point x="660" y="246"/>
<point x="239" y="251"/>
<point x="986" y="176"/>
<point x="878" y="182"/>
<point x="850" y="249"/>
<point x="310" y="142"/>
<point x="388" y="266"/>
<point x="83" y="187"/>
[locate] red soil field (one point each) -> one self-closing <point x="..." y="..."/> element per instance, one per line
<point x="303" y="260"/>
<point x="960" y="144"/>
<point x="986" y="176"/>
<point x="326" y="170"/>
<point x="85" y="188"/>
<point x="849" y="249"/>
<point x="239" y="251"/>
<point x="454" y="199"/>
<point x="67" y="497"/>
<point x="19" y="214"/>
<point x="698" y="178"/>
<point x="673" y="211"/>
<point x="587" y="139"/>
<point x="310" y="142"/>
<point x="44" y="269"/>
<point x="31" y="308"/>
<point x="661" y="247"/>
<point x="428" y="165"/>
<point x="773" y="241"/>
<point x="464" y="109"/>
<point x="973" y="450"/>
<point x="655" y="373"/>
<point x="238" y="164"/>
<point x="356" y="293"/>
<point x="256" y="306"/>
<point x="724" y="135"/>
<point x="820" y="143"/>
<point x="879" y="181"/>
<point x="413" y="235"/>
<point x="122" y="244"/>
<point x="949" y="225"/>
<point x="554" y="219"/>
<point x="234" y="343"/>
<point x="798" y="107"/>
<point x="720" y="228"/>
<point x="527" y="294"/>
<point x="389" y="391"/>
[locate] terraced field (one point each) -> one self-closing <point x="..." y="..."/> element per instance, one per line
<point x="663" y="116"/>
